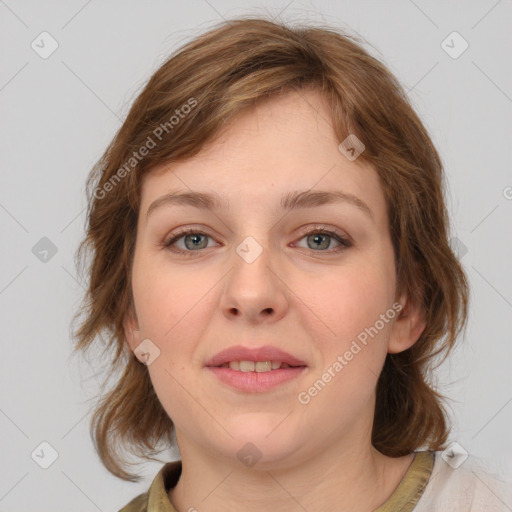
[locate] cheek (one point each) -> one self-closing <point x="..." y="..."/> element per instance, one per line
<point x="165" y="301"/>
<point x="351" y="338"/>
<point x="348" y="300"/>
<point x="174" y="310"/>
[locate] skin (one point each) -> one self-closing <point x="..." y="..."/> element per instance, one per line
<point x="299" y="295"/>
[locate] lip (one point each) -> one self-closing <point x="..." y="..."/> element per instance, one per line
<point x="265" y="353"/>
<point x="256" y="382"/>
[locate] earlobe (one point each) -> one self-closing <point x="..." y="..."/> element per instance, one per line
<point x="407" y="327"/>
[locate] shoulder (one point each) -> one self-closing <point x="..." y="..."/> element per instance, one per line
<point x="138" y="504"/>
<point x="460" y="482"/>
<point x="156" y="498"/>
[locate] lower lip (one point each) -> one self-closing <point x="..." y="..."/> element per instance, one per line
<point x="256" y="381"/>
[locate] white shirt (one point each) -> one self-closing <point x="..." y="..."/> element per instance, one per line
<point x="460" y="484"/>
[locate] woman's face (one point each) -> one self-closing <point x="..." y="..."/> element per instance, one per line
<point x="249" y="274"/>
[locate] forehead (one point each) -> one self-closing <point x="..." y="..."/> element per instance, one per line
<point x="283" y="144"/>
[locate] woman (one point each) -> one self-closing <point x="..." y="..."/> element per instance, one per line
<point x="270" y="260"/>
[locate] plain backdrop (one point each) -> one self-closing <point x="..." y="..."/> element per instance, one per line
<point x="58" y="112"/>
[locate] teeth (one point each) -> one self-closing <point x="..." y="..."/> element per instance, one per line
<point x="251" y="366"/>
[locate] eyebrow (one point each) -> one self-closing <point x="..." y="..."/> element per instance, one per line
<point x="297" y="199"/>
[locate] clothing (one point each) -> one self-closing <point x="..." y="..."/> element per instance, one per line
<point x="430" y="485"/>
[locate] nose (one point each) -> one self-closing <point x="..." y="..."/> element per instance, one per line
<point x="253" y="291"/>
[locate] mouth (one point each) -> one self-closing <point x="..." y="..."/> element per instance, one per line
<point x="257" y="366"/>
<point x="255" y="370"/>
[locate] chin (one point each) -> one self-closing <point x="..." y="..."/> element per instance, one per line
<point x="261" y="450"/>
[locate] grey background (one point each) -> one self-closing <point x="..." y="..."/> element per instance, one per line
<point x="57" y="116"/>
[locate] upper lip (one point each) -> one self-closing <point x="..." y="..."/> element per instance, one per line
<point x="265" y="353"/>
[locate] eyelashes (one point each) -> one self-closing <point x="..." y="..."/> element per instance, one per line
<point x="344" y="243"/>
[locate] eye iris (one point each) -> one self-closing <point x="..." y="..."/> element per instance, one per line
<point x="195" y="238"/>
<point x="317" y="236"/>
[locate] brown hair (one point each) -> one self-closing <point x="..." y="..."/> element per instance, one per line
<point x="222" y="72"/>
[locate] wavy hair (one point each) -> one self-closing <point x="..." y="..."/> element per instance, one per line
<point x="226" y="70"/>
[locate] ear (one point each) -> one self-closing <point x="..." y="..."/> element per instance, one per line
<point x="131" y="329"/>
<point x="408" y="326"/>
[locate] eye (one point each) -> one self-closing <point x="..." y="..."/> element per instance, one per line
<point x="317" y="239"/>
<point x="321" y="239"/>
<point x="192" y="238"/>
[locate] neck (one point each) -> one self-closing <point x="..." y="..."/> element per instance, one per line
<point x="354" y="479"/>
